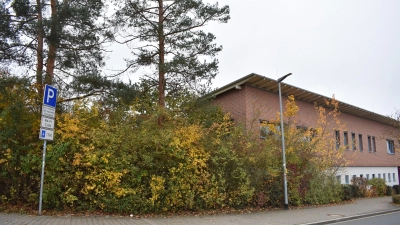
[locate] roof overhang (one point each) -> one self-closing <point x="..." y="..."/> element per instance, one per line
<point x="271" y="85"/>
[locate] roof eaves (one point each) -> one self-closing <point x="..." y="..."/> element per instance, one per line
<point x="304" y="95"/>
<point x="231" y="85"/>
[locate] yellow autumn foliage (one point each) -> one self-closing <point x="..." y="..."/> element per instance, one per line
<point x="310" y="152"/>
<point x="118" y="159"/>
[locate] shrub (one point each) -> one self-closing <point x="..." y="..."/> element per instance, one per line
<point x="350" y="191"/>
<point x="361" y="189"/>
<point x="119" y="159"/>
<point x="356" y="191"/>
<point x="20" y="149"/>
<point x="388" y="190"/>
<point x="396" y="199"/>
<point x="323" y="189"/>
<point x="371" y="192"/>
<point x="378" y="185"/>
<point x="396" y="188"/>
<point x="347" y="193"/>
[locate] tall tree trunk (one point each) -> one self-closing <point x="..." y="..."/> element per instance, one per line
<point x="39" y="50"/>
<point x="161" y="67"/>
<point x="51" y="58"/>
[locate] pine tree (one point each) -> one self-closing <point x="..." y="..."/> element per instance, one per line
<point x="166" y="39"/>
<point x="59" y="40"/>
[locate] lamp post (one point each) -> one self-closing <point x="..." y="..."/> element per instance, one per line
<point x="286" y="206"/>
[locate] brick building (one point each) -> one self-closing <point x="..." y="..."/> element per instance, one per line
<point x="255" y="98"/>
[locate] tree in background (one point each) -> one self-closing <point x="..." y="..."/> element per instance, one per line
<point x="58" y="41"/>
<point x="165" y="36"/>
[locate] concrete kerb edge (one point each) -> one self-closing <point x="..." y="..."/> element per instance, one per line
<point x="352" y="217"/>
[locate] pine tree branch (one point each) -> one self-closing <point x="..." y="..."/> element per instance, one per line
<point x="142" y="15"/>
<point x="189" y="28"/>
<point x="96" y="92"/>
<point x="166" y="9"/>
<point x="123" y="71"/>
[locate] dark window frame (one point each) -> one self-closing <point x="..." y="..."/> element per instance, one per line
<point x="360" y="142"/>
<point x="264" y="129"/>
<point x="369" y="144"/>
<point x="337" y="135"/>
<point x="353" y="141"/>
<point x="346" y="139"/>
<point x="390" y="146"/>
<point x="373" y="144"/>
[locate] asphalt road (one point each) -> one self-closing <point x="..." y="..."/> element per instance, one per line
<point x="385" y="219"/>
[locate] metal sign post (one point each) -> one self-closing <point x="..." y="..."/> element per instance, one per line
<point x="47" y="129"/>
<point x="42" y="178"/>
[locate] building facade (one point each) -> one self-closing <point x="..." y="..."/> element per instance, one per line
<point x="255" y="98"/>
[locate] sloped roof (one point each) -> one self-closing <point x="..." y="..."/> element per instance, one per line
<point x="271" y="85"/>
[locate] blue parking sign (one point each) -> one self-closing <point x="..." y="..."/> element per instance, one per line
<point x="50" y="96"/>
<point x="43" y="134"/>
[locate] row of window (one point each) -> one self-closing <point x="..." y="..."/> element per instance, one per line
<point x="390" y="177"/>
<point x="267" y="128"/>
<point x="370" y="140"/>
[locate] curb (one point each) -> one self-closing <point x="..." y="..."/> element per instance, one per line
<point x="352" y="217"/>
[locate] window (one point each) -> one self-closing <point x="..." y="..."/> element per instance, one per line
<point x="379" y="175"/>
<point x="337" y="134"/>
<point x="384" y="176"/>
<point x="346" y="179"/>
<point x="394" y="176"/>
<point x="346" y="140"/>
<point x="264" y="130"/>
<point x="367" y="176"/>
<point x="353" y="141"/>
<point x="309" y="133"/>
<point x="268" y="128"/>
<point x="389" y="180"/>
<point x="373" y="175"/>
<point x="390" y="146"/>
<point x="353" y="180"/>
<point x="369" y="144"/>
<point x="361" y="176"/>
<point x="313" y="133"/>
<point x="339" y="179"/>
<point x="373" y="144"/>
<point x="360" y="142"/>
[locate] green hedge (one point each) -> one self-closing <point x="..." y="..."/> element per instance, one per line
<point x="379" y="185"/>
<point x="396" y="199"/>
<point x="389" y="190"/>
<point x="396" y="188"/>
<point x="347" y="192"/>
<point x="120" y="159"/>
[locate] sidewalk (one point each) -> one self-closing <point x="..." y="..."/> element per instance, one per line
<point x="289" y="217"/>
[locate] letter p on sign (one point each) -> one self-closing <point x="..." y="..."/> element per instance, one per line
<point x="50" y="96"/>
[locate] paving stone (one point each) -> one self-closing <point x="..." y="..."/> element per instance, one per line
<point x="278" y="217"/>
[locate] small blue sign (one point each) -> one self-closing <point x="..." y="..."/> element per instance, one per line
<point x="50" y="96"/>
<point x="43" y="134"/>
<point x="46" y="134"/>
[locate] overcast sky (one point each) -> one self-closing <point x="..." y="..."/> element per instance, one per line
<point x="350" y="48"/>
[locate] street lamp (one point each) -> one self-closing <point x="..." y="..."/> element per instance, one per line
<point x="286" y="206"/>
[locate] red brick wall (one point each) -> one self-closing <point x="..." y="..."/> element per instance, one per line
<point x="233" y="101"/>
<point x="366" y="127"/>
<point x="249" y="104"/>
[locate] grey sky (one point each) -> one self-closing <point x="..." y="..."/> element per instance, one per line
<point x="350" y="48"/>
